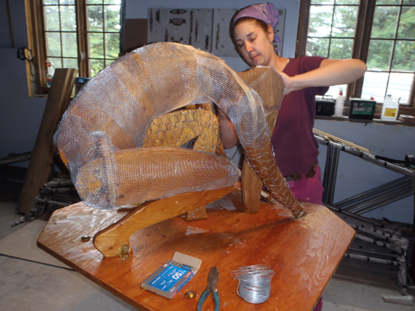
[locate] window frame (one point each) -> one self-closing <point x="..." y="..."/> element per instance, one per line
<point x="37" y="42"/>
<point x="364" y="22"/>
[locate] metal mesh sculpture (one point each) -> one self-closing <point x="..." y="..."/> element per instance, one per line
<point x="102" y="132"/>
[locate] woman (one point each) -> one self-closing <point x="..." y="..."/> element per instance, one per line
<point x="295" y="147"/>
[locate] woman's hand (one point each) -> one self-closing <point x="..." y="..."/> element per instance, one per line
<point x="288" y="83"/>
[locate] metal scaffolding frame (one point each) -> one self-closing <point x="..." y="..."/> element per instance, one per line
<point x="379" y="241"/>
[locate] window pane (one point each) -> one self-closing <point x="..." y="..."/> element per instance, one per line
<point x="56" y="62"/>
<point x="95" y="18"/>
<point x="50" y="1"/>
<point x="69" y="44"/>
<point x="96" y="45"/>
<point x="404" y="56"/>
<point x="109" y="62"/>
<point x="94" y="1"/>
<point x="400" y="86"/>
<point x="70" y="63"/>
<point x="68" y="18"/>
<point x="112" y="1"/>
<point x="53" y="43"/>
<point x="347" y="2"/>
<point x="320" y="21"/>
<point x="96" y="66"/>
<point x="379" y="54"/>
<point x="388" y="2"/>
<point x="67" y="1"/>
<point x="341" y="48"/>
<point x="322" y="1"/>
<point x="385" y="22"/>
<point x="51" y="18"/>
<point x="374" y="84"/>
<point x="408" y="1"/>
<point x="406" y="28"/>
<point x="344" y="22"/>
<point x="112" y="44"/>
<point x="317" y="47"/>
<point x="112" y="18"/>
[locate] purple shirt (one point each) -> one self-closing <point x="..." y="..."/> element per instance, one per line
<point x="293" y="140"/>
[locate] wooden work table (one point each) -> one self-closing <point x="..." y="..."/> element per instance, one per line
<point x="303" y="253"/>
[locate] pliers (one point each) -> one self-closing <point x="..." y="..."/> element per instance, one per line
<point x="212" y="287"/>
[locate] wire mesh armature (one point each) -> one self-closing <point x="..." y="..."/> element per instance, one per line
<point x="102" y="133"/>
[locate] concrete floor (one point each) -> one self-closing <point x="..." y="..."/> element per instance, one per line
<point x="27" y="285"/>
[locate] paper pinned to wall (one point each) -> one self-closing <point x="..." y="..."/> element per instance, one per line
<point x="205" y="29"/>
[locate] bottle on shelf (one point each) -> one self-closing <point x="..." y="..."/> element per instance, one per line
<point x="390" y="109"/>
<point x="50" y="72"/>
<point x="338" y="111"/>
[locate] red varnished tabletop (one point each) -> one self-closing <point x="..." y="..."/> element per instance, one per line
<point x="303" y="253"/>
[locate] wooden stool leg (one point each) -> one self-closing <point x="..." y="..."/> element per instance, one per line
<point x="251" y="189"/>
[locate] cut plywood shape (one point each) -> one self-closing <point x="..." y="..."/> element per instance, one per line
<point x="201" y="29"/>
<point x="303" y="253"/>
<point x="22" y="244"/>
<point x="205" y="29"/>
<point x="222" y="44"/>
<point x="279" y="30"/>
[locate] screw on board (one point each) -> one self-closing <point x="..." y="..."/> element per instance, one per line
<point x="124" y="250"/>
<point x="190" y="295"/>
<point x="85" y="238"/>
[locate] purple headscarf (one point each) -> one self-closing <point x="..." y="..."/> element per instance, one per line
<point x="264" y="12"/>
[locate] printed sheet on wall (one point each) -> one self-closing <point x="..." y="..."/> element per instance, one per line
<point x="205" y="29"/>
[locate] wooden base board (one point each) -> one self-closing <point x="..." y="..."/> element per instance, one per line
<point x="303" y="253"/>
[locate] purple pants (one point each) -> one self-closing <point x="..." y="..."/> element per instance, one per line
<point x="309" y="190"/>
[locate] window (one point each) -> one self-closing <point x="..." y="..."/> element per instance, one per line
<point x="332" y="31"/>
<point x="381" y="33"/>
<point x="391" y="60"/>
<point x="81" y="34"/>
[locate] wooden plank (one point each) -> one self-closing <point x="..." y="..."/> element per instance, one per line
<point x="251" y="184"/>
<point x="303" y="253"/>
<point x="271" y="92"/>
<point x="110" y="240"/>
<point x="328" y="136"/>
<point x="42" y="156"/>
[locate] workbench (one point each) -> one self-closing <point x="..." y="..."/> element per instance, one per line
<point x="303" y="253"/>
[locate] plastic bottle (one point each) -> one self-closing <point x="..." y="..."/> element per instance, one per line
<point x="50" y="72"/>
<point x="390" y="109"/>
<point x="338" y="112"/>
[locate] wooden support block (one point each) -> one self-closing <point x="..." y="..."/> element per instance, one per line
<point x="197" y="214"/>
<point x="110" y="240"/>
<point x="42" y="157"/>
<point x="251" y="184"/>
<point x="251" y="189"/>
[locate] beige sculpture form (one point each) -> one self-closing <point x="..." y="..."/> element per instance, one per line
<point x="122" y="136"/>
